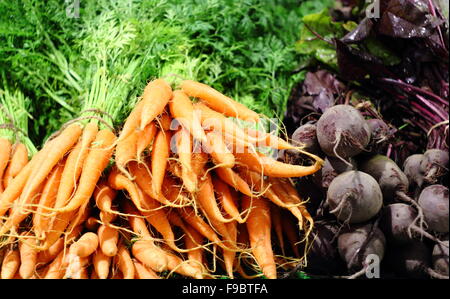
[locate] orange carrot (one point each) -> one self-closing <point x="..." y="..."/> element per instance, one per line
<point x="160" y="154"/>
<point x="176" y="264"/>
<point x="156" y="96"/>
<point x="277" y="222"/>
<point x="125" y="263"/>
<point x="143" y="272"/>
<point x="164" y="121"/>
<point x="46" y="256"/>
<point x="74" y="164"/>
<point x="219" y="151"/>
<point x="18" y="161"/>
<point x="132" y="122"/>
<point x="57" y="268"/>
<point x="11" y="263"/>
<point x="188" y="215"/>
<point x="267" y="139"/>
<point x="138" y="224"/>
<point x="182" y="110"/>
<point x="145" y="138"/>
<point x="47" y="199"/>
<point x="126" y="150"/>
<point x="28" y="258"/>
<point x="234" y="180"/>
<point x="229" y="256"/>
<point x="193" y="240"/>
<point x="199" y="160"/>
<point x="184" y="151"/>
<point x="101" y="264"/>
<point x="5" y="155"/>
<point x="218" y="101"/>
<point x="16" y="186"/>
<point x="85" y="246"/>
<point x="207" y="200"/>
<point x="104" y="196"/>
<point x="56" y="150"/>
<point x="150" y="255"/>
<point x="292" y="233"/>
<point x="259" y="231"/>
<point x="260" y="163"/>
<point x="96" y="162"/>
<point x="108" y="237"/>
<point x="227" y="198"/>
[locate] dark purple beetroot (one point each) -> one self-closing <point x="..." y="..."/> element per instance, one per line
<point x="323" y="257"/>
<point x="331" y="168"/>
<point x="434" y="165"/>
<point x="413" y="171"/>
<point x="440" y="258"/>
<point x="411" y="260"/>
<point x="389" y="176"/>
<point x="342" y="132"/>
<point x="434" y="203"/>
<point x="356" y="243"/>
<point x="354" y="197"/>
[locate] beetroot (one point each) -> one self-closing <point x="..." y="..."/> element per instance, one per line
<point x="389" y="176"/>
<point x="354" y="197"/>
<point x="306" y="135"/>
<point x="440" y="258"/>
<point x="342" y="132"/>
<point x="357" y="242"/>
<point x="434" y="202"/>
<point x="399" y="224"/>
<point x="434" y="165"/>
<point x="331" y="168"/>
<point x="411" y="260"/>
<point x="413" y="171"/>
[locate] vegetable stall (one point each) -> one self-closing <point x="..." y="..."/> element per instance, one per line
<point x="223" y="139"/>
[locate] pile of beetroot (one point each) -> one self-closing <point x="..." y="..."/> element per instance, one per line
<point x="382" y="130"/>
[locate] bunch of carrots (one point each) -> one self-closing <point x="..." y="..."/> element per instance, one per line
<point x="181" y="189"/>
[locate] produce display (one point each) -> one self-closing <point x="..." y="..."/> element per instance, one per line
<point x="224" y="139"/>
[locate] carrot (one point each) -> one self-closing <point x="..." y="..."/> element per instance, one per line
<point x="145" y="138"/>
<point x="126" y="150"/>
<point x="260" y="163"/>
<point x="227" y="199"/>
<point x="158" y="219"/>
<point x="160" y="154"/>
<point x="199" y="160"/>
<point x="125" y="263"/>
<point x="164" y="121"/>
<point x="259" y="232"/>
<point x="219" y="151"/>
<point x="193" y="240"/>
<point x="138" y="224"/>
<point x="101" y="264"/>
<point x="47" y="199"/>
<point x="118" y="181"/>
<point x="156" y="96"/>
<point x="230" y="255"/>
<point x="268" y="139"/>
<point x="176" y="264"/>
<point x="108" y="238"/>
<point x="92" y="224"/>
<point x="56" y="151"/>
<point x="184" y="151"/>
<point x="96" y="162"/>
<point x="85" y="246"/>
<point x="18" y="161"/>
<point x="5" y="155"/>
<point x="15" y="188"/>
<point x="57" y="268"/>
<point x="74" y="164"/>
<point x="104" y="196"/>
<point x="207" y="200"/>
<point x="11" y="263"/>
<point x="277" y="222"/>
<point x="150" y="255"/>
<point x="46" y="256"/>
<point x="76" y="266"/>
<point x="143" y="272"/>
<point x="28" y="258"/>
<point x="182" y="110"/>
<point x="234" y="180"/>
<point x="291" y="231"/>
<point x="218" y="101"/>
<point x="188" y="215"/>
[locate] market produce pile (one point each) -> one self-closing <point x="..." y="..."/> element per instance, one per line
<point x="375" y="108"/>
